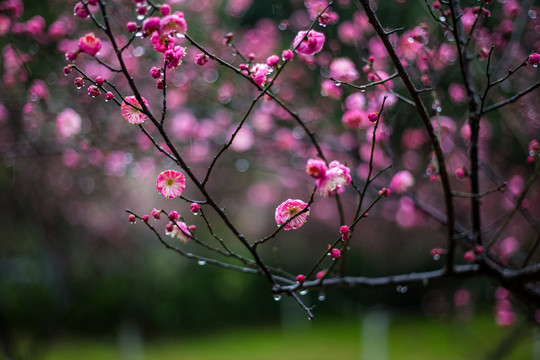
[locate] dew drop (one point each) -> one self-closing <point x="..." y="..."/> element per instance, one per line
<point x="410" y="40"/>
<point x="277" y="297"/>
<point x="201" y="262"/>
<point x="436" y="257"/>
<point x="140" y="17"/>
<point x="363" y="90"/>
<point x="337" y="83"/>
<point x="234" y="53"/>
<point x="303" y="292"/>
<point x="106" y="100"/>
<point x="438" y="109"/>
<point x="79" y="87"/>
<point x="322" y="297"/>
<point x="322" y="25"/>
<point x="532" y="14"/>
<point x="139" y="34"/>
<point x="535" y="65"/>
<point x="442" y="18"/>
<point x="196" y="213"/>
<point x="402" y="289"/>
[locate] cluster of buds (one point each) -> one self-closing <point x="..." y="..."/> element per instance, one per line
<point x="345" y="232"/>
<point x="175" y="228"/>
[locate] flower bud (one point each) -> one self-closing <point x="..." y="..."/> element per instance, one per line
<point x="173" y="215"/>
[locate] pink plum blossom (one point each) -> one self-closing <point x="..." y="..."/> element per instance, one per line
<point x="90" y="44"/>
<point x="80" y="11"/>
<point x="335" y="253"/>
<point x="68" y="123"/>
<point x="131" y="114"/>
<point x="173" y="24"/>
<point x="335" y="179"/>
<point x="287" y="210"/>
<point x="311" y="44"/>
<point x="174" y="56"/>
<point x="272" y="60"/>
<point x="353" y="118"/>
<point x="287" y="55"/>
<point x="401" y="182"/>
<point x="534" y="59"/>
<point x="343" y="69"/>
<point x="151" y="24"/>
<point x="316" y="168"/>
<point x="259" y="73"/>
<point x="179" y="231"/>
<point x="171" y="183"/>
<point x="329" y="88"/>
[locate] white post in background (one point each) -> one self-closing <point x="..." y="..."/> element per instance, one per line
<point x="374" y="337"/>
<point x="536" y="343"/>
<point x="130" y="342"/>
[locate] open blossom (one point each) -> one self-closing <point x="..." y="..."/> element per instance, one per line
<point x="173" y="24"/>
<point x="311" y="44"/>
<point x="287" y="210"/>
<point x="259" y="73"/>
<point x="343" y="69"/>
<point x="151" y="24"/>
<point x="161" y="44"/>
<point x="132" y="115"/>
<point x="179" y="231"/>
<point x="171" y="183"/>
<point x="336" y="178"/>
<point x="401" y="182"/>
<point x="174" y="56"/>
<point x="534" y="59"/>
<point x="90" y="44"/>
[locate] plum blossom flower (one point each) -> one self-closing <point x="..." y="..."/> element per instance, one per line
<point x="173" y="24"/>
<point x="161" y="44"/>
<point x="178" y="230"/>
<point x="151" y="24"/>
<point x="401" y="182"/>
<point x="287" y="210"/>
<point x="171" y="183"/>
<point x="68" y="123"/>
<point x="259" y="73"/>
<point x="329" y="88"/>
<point x="316" y="168"/>
<point x="353" y="118"/>
<point x="534" y="59"/>
<point x="335" y="253"/>
<point x="90" y="44"/>
<point x="311" y="44"/>
<point x="287" y="55"/>
<point x="132" y="115"/>
<point x="174" y="56"/>
<point x="343" y="69"/>
<point x="335" y="179"/>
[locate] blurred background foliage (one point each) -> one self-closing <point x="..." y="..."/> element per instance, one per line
<point x="96" y="275"/>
